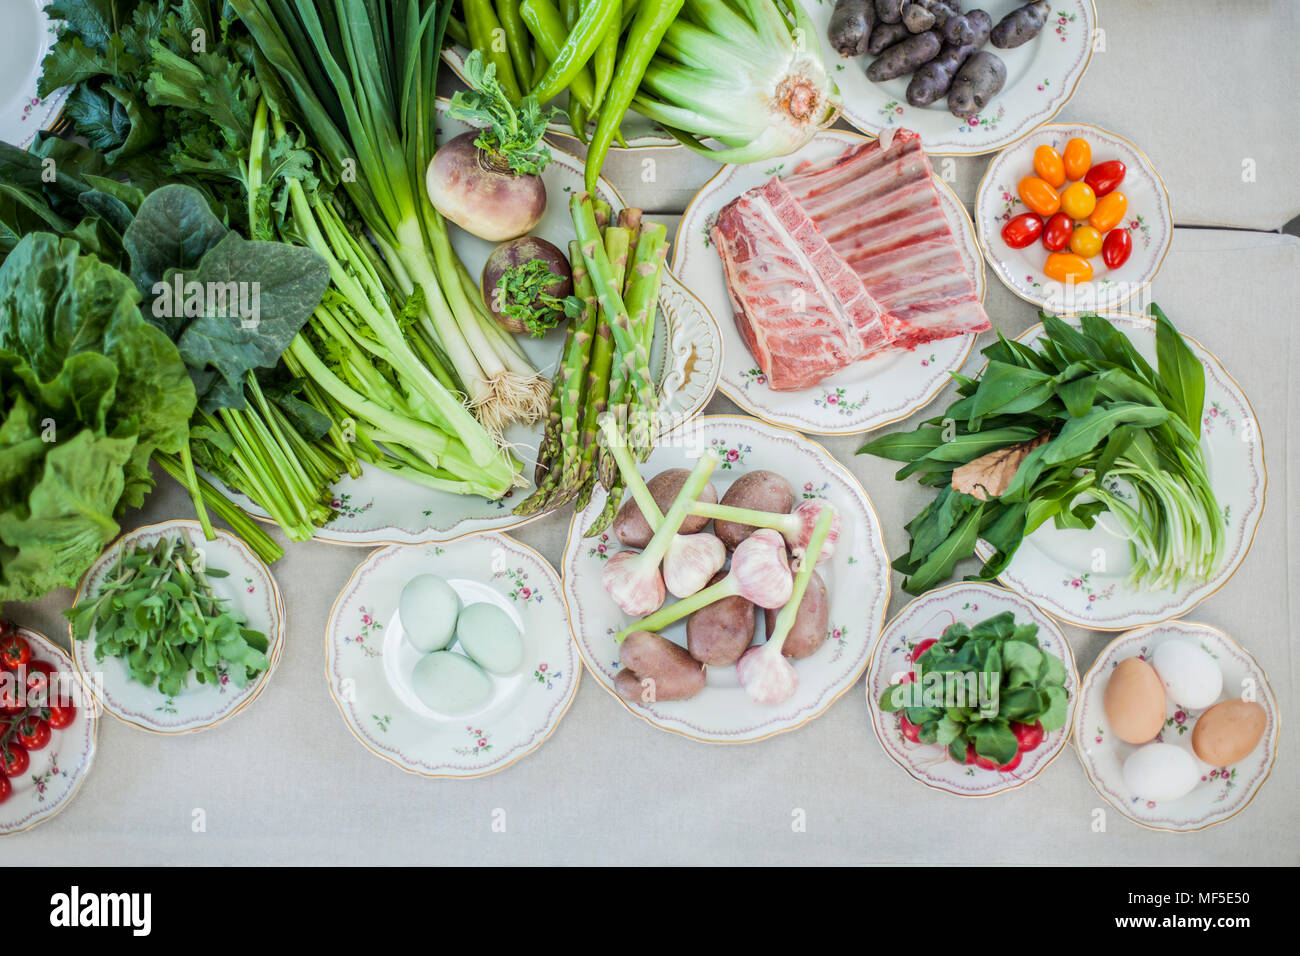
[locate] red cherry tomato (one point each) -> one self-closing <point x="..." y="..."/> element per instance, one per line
<point x="12" y="696"/>
<point x="6" y="789"/>
<point x="1057" y="232"/>
<point x="37" y="678"/>
<point x="924" y="646"/>
<point x="1028" y="736"/>
<point x="909" y="729"/>
<point x="61" y="716"/>
<point x="1104" y="177"/>
<point x="14" y="760"/>
<point x="14" y="651"/>
<point x="34" y="733"/>
<point x="1022" y="230"/>
<point x="1011" y="764"/>
<point x="1116" y="249"/>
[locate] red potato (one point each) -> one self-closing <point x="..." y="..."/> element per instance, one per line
<point x="656" y="670"/>
<point x="630" y="526"/>
<point x="716" y="635"/>
<point x="811" y="622"/>
<point x="759" y="491"/>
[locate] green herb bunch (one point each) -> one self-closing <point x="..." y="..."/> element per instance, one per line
<point x="158" y="612"/>
<point x="522" y="295"/>
<point x="1030" y="688"/>
<point x="511" y="133"/>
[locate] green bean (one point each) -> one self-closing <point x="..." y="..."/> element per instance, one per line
<point x="596" y="18"/>
<point x="653" y="18"/>
<point x="483" y="26"/>
<point x="517" y="41"/>
<point x="547" y="27"/>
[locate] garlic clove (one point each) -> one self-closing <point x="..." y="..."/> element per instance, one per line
<point x="761" y="569"/>
<point x="768" y="678"/>
<point x="807" y="513"/>
<point x="636" y="587"/>
<point x="691" y="561"/>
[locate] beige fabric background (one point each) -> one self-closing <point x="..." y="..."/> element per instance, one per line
<point x="287" y="783"/>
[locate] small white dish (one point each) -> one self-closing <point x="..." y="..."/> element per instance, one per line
<point x="373" y="693"/>
<point x="1041" y="77"/>
<point x="250" y="593"/>
<point x="400" y="655"/>
<point x="1222" y="792"/>
<point x="1149" y="220"/>
<point x="27" y="37"/>
<point x="928" y="616"/>
<point x="56" y="772"/>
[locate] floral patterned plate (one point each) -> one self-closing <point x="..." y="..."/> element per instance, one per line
<point x="865" y="395"/>
<point x="1082" y="576"/>
<point x="927" y="617"/>
<point x="381" y="508"/>
<point x="857" y="579"/>
<point x="27" y="36"/>
<point x="250" y="592"/>
<point x="1149" y="220"/>
<point x="55" y="774"/>
<point x="525" y="707"/>
<point x="639" y="131"/>
<point x="1222" y="792"/>
<point x="1041" y="77"/>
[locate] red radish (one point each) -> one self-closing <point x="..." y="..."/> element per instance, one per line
<point x="923" y="647"/>
<point x="1028" y="736"/>
<point x="909" y="729"/>
<point x="984" y="763"/>
<point x="1011" y="764"/>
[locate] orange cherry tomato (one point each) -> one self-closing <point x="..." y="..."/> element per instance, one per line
<point x="1078" y="201"/>
<point x="1078" y="157"/>
<point x="1105" y="177"/>
<point x="1109" y="211"/>
<point x="1049" y="166"/>
<point x="1085" y="241"/>
<point x="1039" y="196"/>
<point x="1057" y="232"/>
<point x="1067" y="267"/>
<point x="1117" y="248"/>
<point x="1022" y="230"/>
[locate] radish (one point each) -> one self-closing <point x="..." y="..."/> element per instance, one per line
<point x="1028" y="736"/>
<point x="909" y="729"/>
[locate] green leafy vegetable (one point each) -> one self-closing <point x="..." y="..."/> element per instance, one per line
<point x="157" y="610"/>
<point x="523" y="295"/>
<point x="512" y="134"/>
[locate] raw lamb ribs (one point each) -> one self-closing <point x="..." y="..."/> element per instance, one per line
<point x="842" y="260"/>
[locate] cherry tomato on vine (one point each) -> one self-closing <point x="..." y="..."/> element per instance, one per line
<point x="61" y="716"/>
<point x="1105" y="177"/>
<point x="1022" y="230"/>
<point x="1117" y="248"/>
<point x="1057" y="232"/>
<point x="1049" y="166"/>
<point x="14" y="651"/>
<point x="14" y="760"/>
<point x="1085" y="241"/>
<point x="36" y="675"/>
<point x="1038" y="195"/>
<point x="6" y="789"/>
<point x="1110" y="210"/>
<point x="1067" y="267"/>
<point x="1078" y="157"/>
<point x="33" y="733"/>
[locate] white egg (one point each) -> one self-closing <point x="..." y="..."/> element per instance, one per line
<point x="1160" y="772"/>
<point x="428" y="608"/>
<point x="1192" y="678"/>
<point x="488" y="635"/>
<point x="451" y="683"/>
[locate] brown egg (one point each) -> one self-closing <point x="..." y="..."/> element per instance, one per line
<point x="1135" y="701"/>
<point x="1228" y="732"/>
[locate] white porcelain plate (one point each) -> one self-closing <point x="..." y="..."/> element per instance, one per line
<point x="857" y="579"/>
<point x="639" y="131"/>
<point x="1149" y="220"/>
<point x="525" y="707"/>
<point x="926" y="617"/>
<point x="27" y="36"/>
<point x="381" y="508"/>
<point x="56" y="772"/>
<point x="865" y="395"/>
<point x="1222" y="792"/>
<point x="1041" y="76"/>
<point x="250" y="593"/>
<point x="1056" y="569"/>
